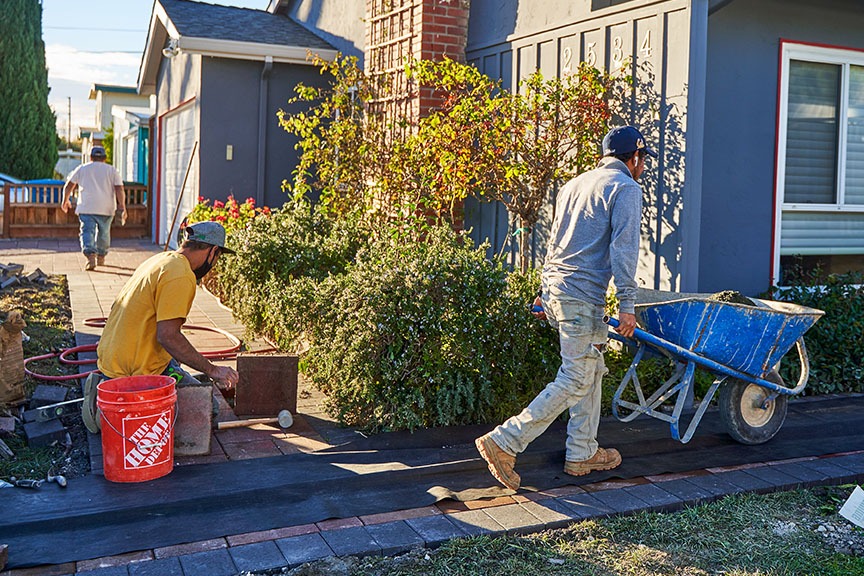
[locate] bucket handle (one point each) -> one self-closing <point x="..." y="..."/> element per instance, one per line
<point x="145" y="446"/>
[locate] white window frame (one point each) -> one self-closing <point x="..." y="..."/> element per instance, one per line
<point x="845" y="57"/>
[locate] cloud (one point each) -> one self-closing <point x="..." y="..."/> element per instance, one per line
<point x="67" y="63"/>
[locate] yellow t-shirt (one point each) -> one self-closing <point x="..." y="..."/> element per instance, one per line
<point x="162" y="288"/>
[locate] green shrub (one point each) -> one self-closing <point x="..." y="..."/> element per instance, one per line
<point x="835" y="344"/>
<point x="294" y="242"/>
<point x="424" y="333"/>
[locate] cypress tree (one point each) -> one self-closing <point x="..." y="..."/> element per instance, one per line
<point x="28" y="134"/>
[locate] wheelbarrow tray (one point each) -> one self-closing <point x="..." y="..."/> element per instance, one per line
<point x="751" y="339"/>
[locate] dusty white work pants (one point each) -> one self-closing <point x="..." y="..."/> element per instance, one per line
<point x="576" y="387"/>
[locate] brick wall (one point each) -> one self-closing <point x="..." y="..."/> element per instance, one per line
<point x="400" y="30"/>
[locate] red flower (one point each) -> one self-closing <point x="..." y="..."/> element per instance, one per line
<point x="218" y="204"/>
<point x="250" y="201"/>
<point x="221" y="218"/>
<point x="201" y="200"/>
<point x="265" y="210"/>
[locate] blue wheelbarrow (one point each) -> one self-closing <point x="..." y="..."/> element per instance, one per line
<point x="740" y="344"/>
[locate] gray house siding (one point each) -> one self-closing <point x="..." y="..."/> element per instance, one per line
<point x="230" y="105"/>
<point x="741" y="129"/>
<point x="341" y="23"/>
<point x="510" y="43"/>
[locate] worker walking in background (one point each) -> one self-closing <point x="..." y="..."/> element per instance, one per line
<point x="594" y="238"/>
<point x="101" y="196"/>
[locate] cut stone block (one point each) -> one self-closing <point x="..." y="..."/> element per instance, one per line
<point x="45" y="394"/>
<point x="194" y="420"/>
<point x="44" y="433"/>
<point x="267" y="385"/>
<point x="7" y="424"/>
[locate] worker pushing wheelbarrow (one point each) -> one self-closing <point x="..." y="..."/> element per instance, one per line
<point x="740" y="344"/>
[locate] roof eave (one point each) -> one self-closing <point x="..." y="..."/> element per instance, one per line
<point x="253" y="50"/>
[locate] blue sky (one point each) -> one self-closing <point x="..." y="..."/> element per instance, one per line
<point x="96" y="42"/>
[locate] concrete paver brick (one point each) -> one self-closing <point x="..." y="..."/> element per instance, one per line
<point x="716" y="485"/>
<point x="515" y="519"/>
<point x="746" y="481"/>
<point x="190" y="548"/>
<point x="585" y="506"/>
<point x="615" y="484"/>
<point x="826" y="466"/>
<point x="119" y="560"/>
<point x="476" y="522"/>
<point x="164" y="567"/>
<point x="258" y="556"/>
<point x="304" y="548"/>
<point x="655" y="497"/>
<point x="778" y="479"/>
<point x="687" y="491"/>
<point x="107" y="571"/>
<point x="339" y="523"/>
<point x="212" y="563"/>
<point x="275" y="534"/>
<point x="400" y="515"/>
<point x="435" y="530"/>
<point x="395" y="537"/>
<point x="551" y="512"/>
<point x="807" y="475"/>
<point x="355" y="541"/>
<point x="853" y="462"/>
<point x="620" y="501"/>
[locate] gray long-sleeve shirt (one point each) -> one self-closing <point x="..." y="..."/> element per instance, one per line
<point x="595" y="235"/>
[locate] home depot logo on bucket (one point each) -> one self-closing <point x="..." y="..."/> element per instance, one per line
<point x="146" y="440"/>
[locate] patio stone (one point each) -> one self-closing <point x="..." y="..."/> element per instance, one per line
<point x="212" y="563"/>
<point x="655" y="497"/>
<point x="395" y="537"/>
<point x="258" y="556"/>
<point x="305" y="548"/>
<point x="435" y="530"/>
<point x="476" y="522"/>
<point x="352" y="542"/>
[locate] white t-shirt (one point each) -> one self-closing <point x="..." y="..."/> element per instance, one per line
<point x="96" y="181"/>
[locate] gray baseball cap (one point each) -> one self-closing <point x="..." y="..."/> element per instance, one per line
<point x="208" y="232"/>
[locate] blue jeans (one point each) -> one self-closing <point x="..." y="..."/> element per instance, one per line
<point x="577" y="386"/>
<point x="95" y="233"/>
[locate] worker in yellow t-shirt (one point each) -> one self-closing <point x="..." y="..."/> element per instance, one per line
<point x="142" y="334"/>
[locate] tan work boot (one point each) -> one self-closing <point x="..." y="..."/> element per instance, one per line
<point x="603" y="459"/>
<point x="100" y="260"/>
<point x="91" y="262"/>
<point x="500" y="463"/>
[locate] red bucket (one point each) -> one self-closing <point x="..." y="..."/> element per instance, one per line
<point x="138" y="416"/>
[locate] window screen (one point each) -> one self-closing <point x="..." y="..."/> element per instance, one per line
<point x="811" y="134"/>
<point x="855" y="138"/>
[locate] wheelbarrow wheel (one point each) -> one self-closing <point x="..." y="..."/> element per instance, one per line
<point x="745" y="414"/>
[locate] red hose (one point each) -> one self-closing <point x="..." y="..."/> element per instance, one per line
<point x="224" y="354"/>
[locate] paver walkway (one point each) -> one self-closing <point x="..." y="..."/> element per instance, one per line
<point x="91" y="296"/>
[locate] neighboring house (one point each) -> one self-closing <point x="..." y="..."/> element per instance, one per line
<point x="68" y="160"/>
<point x="132" y="142"/>
<point x="756" y="106"/>
<point x="220" y="75"/>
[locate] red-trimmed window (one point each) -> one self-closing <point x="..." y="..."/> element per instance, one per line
<point x="820" y="164"/>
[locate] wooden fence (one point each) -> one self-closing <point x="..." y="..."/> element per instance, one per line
<point x="33" y="211"/>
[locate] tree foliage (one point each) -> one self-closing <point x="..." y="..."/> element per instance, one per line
<point x="28" y="137"/>
<point x="514" y="147"/>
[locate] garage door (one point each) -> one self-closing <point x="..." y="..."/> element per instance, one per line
<point x="177" y="143"/>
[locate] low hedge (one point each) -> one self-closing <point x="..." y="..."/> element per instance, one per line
<point x="419" y="334"/>
<point x="835" y="345"/>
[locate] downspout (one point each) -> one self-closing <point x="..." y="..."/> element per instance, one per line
<point x="693" y="157"/>
<point x="262" y="128"/>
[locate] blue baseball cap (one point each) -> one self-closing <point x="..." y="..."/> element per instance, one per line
<point x="623" y="140"/>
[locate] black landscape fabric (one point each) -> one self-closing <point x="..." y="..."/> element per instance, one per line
<point x="394" y="471"/>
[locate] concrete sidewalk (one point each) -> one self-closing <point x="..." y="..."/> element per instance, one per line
<point x="91" y="295"/>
